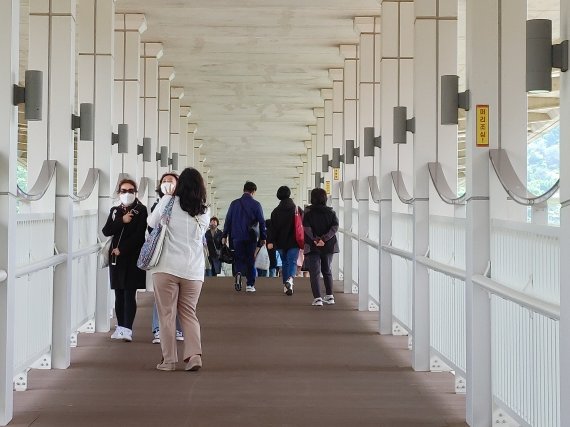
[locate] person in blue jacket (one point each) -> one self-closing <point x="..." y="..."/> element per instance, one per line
<point x="245" y="226"/>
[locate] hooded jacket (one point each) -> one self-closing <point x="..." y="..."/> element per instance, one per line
<point x="282" y="231"/>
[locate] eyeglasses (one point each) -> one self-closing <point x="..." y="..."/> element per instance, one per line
<point x="124" y="191"/>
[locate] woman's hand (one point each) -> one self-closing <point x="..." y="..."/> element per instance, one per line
<point x="319" y="242"/>
<point x="128" y="217"/>
<point x="116" y="252"/>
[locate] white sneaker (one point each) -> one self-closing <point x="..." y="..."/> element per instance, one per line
<point x="179" y="336"/>
<point x="318" y="302"/>
<point x="156" y="339"/>
<point x="328" y="299"/>
<point x="126" y="335"/>
<point x="116" y="334"/>
<point x="288" y="287"/>
<point x="250" y="288"/>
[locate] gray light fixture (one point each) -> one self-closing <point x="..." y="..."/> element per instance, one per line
<point x="30" y="94"/>
<point x="350" y="152"/>
<point x="452" y="99"/>
<point x="173" y="161"/>
<point x="542" y="55"/>
<point x="326" y="163"/>
<point x="163" y="156"/>
<point x="319" y="179"/>
<point x="121" y="138"/>
<point x="144" y="149"/>
<point x="370" y="141"/>
<point x="402" y="125"/>
<point x="336" y="158"/>
<point x="84" y="122"/>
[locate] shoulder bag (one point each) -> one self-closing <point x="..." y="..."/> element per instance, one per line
<point x="152" y="247"/>
<point x="299" y="230"/>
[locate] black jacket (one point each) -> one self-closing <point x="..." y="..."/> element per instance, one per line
<point x="126" y="275"/>
<point x="282" y="231"/>
<point x="214" y="243"/>
<point x="320" y="222"/>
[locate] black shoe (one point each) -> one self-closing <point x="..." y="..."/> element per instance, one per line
<point x="237" y="284"/>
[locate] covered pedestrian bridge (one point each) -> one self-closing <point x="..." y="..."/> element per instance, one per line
<point x="435" y="126"/>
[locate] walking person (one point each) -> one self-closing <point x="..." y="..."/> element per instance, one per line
<point x="127" y="224"/>
<point x="245" y="224"/>
<point x="321" y="225"/>
<point x="214" y="243"/>
<point x="168" y="182"/>
<point x="282" y="237"/>
<point x="179" y="274"/>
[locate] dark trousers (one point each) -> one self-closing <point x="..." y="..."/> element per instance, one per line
<point x="244" y="259"/>
<point x="320" y="263"/>
<point x="125" y="307"/>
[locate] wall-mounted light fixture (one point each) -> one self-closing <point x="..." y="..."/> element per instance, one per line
<point x="336" y="158"/>
<point x="402" y="125"/>
<point x="30" y="94"/>
<point x="542" y="55"/>
<point x="319" y="179"/>
<point x="84" y="122"/>
<point x="145" y="149"/>
<point x="350" y="152"/>
<point x="371" y="141"/>
<point x="163" y="157"/>
<point x="326" y="163"/>
<point x="173" y="161"/>
<point x="452" y="99"/>
<point x="121" y="138"/>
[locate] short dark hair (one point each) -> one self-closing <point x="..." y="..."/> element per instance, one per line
<point x="249" y="187"/>
<point x="215" y="219"/>
<point x="318" y="196"/>
<point x="283" y="192"/>
<point x="126" y="181"/>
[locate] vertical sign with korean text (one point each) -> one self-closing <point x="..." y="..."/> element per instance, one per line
<point x="482" y="118"/>
<point x="328" y="187"/>
<point x="336" y="174"/>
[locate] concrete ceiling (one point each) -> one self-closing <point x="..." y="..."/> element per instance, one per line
<point x="252" y="72"/>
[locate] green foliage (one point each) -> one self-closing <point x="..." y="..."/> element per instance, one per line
<point x="543" y="167"/>
<point x="22" y="176"/>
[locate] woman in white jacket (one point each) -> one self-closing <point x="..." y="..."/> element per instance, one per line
<point x="179" y="275"/>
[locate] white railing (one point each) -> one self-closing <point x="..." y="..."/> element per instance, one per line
<point x="525" y="363"/>
<point x="447" y="319"/>
<point x="447" y="240"/>
<point x="35" y="237"/>
<point x="84" y="268"/>
<point x="402" y="231"/>
<point x="402" y="291"/>
<point x="526" y="257"/>
<point x="33" y="317"/>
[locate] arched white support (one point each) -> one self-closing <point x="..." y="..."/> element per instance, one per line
<point x="143" y="187"/>
<point x="88" y="186"/>
<point x="512" y="183"/>
<point x="374" y="189"/>
<point x="42" y="183"/>
<point x="442" y="186"/>
<point x="400" y="188"/>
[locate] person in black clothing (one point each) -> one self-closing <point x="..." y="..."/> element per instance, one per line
<point x="127" y="224"/>
<point x="320" y="224"/>
<point x="281" y="236"/>
<point x="214" y="242"/>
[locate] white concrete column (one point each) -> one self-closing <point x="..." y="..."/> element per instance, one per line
<point x="128" y="30"/>
<point x="513" y="105"/>
<point x="150" y="55"/>
<point x="53" y="28"/>
<point x="185" y="113"/>
<point x="165" y="76"/>
<point x="389" y="77"/>
<point x="350" y="99"/>
<point x="482" y="79"/>
<point x="197" y="146"/>
<point x="96" y="70"/>
<point x="424" y="150"/>
<point x="9" y="51"/>
<point x="319" y="147"/>
<point x="337" y="77"/>
<point x="191" y="159"/>
<point x="327" y="96"/>
<point x="366" y="26"/>
<point x="564" y="225"/>
<point x="176" y="94"/>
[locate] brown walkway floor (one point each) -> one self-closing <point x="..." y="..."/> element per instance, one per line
<point x="269" y="360"/>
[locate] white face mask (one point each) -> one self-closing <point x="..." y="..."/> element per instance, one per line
<point x="127" y="199"/>
<point x="166" y="187"/>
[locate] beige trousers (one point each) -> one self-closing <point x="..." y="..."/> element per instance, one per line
<point x="177" y="296"/>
